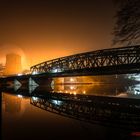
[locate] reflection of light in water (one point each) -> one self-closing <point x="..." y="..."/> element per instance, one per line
<point x="14" y="106"/>
<point x="84" y="92"/>
<point x="71" y="79"/>
<point x="72" y="87"/>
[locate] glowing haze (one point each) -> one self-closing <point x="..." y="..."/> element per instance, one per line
<point x="9" y="48"/>
<point x="42" y="30"/>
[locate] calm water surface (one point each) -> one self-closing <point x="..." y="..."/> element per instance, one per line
<point x="23" y="120"/>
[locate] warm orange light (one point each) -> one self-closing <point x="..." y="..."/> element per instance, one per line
<point x="84" y="92"/>
<point x="71" y="87"/>
<point x="71" y="79"/>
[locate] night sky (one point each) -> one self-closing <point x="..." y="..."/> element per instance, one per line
<point x="45" y="29"/>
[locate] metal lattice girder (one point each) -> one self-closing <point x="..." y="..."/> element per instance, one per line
<point x="91" y="60"/>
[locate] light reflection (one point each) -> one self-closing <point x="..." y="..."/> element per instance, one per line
<point x="20" y="96"/>
<point x="57" y="102"/>
<point x="71" y="79"/>
<point x="14" y="105"/>
<point x="72" y="87"/>
<point x="100" y="89"/>
<point x="84" y="92"/>
<point x="55" y="70"/>
<point x="34" y="72"/>
<point x="19" y="74"/>
<point x="35" y="98"/>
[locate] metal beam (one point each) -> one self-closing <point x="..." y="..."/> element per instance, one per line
<point x="114" y="61"/>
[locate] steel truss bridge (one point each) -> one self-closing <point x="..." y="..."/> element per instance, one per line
<point x="108" y="61"/>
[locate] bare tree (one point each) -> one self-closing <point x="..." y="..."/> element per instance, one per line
<point x="127" y="27"/>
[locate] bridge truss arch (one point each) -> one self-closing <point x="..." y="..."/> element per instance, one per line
<point x="107" y="61"/>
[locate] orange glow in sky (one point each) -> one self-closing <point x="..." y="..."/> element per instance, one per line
<point x="46" y="30"/>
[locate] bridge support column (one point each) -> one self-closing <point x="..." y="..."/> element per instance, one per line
<point x="42" y="82"/>
<point x="23" y="81"/>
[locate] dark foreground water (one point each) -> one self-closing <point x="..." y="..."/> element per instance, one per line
<point x="31" y="114"/>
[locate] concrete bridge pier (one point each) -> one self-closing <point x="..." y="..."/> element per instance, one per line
<point x="42" y="82"/>
<point x="21" y="81"/>
<point x="27" y="81"/>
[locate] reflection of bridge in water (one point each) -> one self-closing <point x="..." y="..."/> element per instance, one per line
<point x="112" y="111"/>
<point x="118" y="112"/>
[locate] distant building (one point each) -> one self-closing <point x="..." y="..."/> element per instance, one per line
<point x="13" y="64"/>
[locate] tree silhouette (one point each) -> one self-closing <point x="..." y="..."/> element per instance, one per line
<point x="127" y="27"/>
